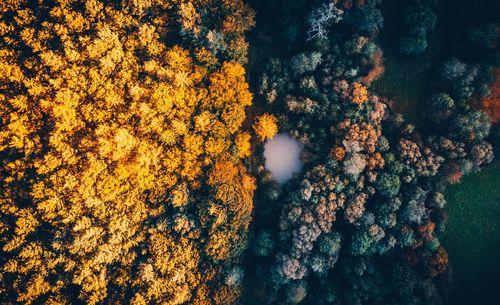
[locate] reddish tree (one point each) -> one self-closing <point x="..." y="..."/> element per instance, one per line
<point x="438" y="262"/>
<point x="491" y="104"/>
<point x="427" y="230"/>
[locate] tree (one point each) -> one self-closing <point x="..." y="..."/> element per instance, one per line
<point x="359" y="94"/>
<point x="321" y="18"/>
<point x="263" y="244"/>
<point x="453" y="69"/>
<point x="388" y="184"/>
<point x="216" y="27"/>
<point x="355" y="164"/>
<point x="472" y="126"/>
<point x="420" y="20"/>
<point x="305" y="62"/>
<point x="440" y="107"/>
<point x="330" y="244"/>
<point x="364" y="17"/>
<point x="296" y="292"/>
<point x="265" y="126"/>
<point x="412" y="45"/>
<point x="484" y="36"/>
<point x="491" y="103"/>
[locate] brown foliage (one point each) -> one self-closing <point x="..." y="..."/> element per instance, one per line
<point x="491" y="104"/>
<point x="438" y="262"/>
<point x="378" y="68"/>
<point x="338" y="153"/>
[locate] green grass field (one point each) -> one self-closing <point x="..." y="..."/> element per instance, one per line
<point x="472" y="237"/>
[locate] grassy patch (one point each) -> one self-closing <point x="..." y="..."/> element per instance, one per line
<point x="406" y="78"/>
<point x="472" y="237"/>
<point x="405" y="84"/>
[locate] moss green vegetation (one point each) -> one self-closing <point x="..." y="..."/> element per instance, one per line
<point x="472" y="237"/>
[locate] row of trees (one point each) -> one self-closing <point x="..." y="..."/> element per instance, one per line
<point x="464" y="108"/>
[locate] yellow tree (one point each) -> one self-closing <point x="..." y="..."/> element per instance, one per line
<point x="107" y="135"/>
<point x="265" y="126"/>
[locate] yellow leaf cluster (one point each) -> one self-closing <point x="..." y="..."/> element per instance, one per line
<point x="265" y="126"/>
<point x="243" y="144"/>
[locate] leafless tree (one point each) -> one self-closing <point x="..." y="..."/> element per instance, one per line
<point x="321" y="18"/>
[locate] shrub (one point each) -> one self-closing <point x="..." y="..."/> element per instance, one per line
<point x="305" y="62"/>
<point x="440" y="107"/>
<point x="388" y="184"/>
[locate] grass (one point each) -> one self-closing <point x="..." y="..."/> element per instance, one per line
<point x="405" y="84"/>
<point x="472" y="237"/>
<point x="406" y="78"/>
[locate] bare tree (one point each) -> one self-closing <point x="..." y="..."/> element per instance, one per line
<point x="321" y="18"/>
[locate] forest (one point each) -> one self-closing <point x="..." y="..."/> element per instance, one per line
<point x="249" y="152"/>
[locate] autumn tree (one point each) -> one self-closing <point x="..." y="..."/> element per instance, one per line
<point x="491" y="103"/>
<point x="265" y="126"/>
<point x="108" y="131"/>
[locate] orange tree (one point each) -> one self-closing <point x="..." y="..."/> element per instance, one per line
<point x="266" y="126"/>
<point x="491" y="103"/>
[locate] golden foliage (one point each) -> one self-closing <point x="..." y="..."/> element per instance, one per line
<point x="225" y="294"/>
<point x="105" y="130"/>
<point x="265" y="126"/>
<point x="233" y="190"/>
<point x="359" y="94"/>
<point x="243" y="144"/>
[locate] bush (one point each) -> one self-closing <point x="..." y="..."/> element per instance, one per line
<point x="440" y="107"/>
<point x="305" y="62"/>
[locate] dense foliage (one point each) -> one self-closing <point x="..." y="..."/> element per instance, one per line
<point x="120" y="146"/>
<point x="128" y="152"/>
<point x="419" y="20"/>
<point x="362" y="224"/>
